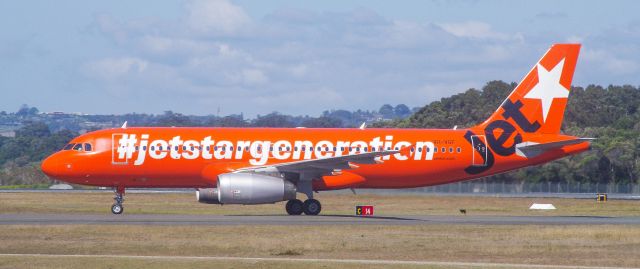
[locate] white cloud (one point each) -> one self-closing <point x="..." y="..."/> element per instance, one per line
<point x="607" y="61"/>
<point x="216" y="17"/>
<point x="114" y="68"/>
<point x="473" y="29"/>
<point x="254" y="77"/>
<point x="575" y="39"/>
<point x="303" y="62"/>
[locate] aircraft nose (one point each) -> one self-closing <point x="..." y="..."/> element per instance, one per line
<point x="51" y="166"/>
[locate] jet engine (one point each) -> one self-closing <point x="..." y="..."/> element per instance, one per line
<point x="247" y="189"/>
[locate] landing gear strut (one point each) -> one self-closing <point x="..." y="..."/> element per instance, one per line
<point x="117" y="207"/>
<point x="310" y="206"/>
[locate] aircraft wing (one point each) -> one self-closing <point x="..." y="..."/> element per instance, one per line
<point x="529" y="149"/>
<point x="321" y="167"/>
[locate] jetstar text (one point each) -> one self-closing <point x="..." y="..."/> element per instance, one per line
<point x="259" y="152"/>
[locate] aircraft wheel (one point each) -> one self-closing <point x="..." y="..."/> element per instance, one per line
<point x="294" y="207"/>
<point x="117" y="209"/>
<point x="312" y="207"/>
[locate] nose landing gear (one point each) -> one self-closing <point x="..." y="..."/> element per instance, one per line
<point x="117" y="207"/>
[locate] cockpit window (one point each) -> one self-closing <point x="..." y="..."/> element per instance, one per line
<point x="87" y="147"/>
<point x="68" y="146"/>
<point x="78" y="147"/>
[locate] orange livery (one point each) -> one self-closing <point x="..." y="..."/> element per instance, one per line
<point x="268" y="165"/>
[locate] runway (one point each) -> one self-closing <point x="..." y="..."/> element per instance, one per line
<point x="214" y="220"/>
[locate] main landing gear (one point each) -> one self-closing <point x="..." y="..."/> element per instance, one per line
<point x="309" y="207"/>
<point x="117" y="207"/>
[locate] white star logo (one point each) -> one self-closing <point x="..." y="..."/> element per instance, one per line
<point x="548" y="87"/>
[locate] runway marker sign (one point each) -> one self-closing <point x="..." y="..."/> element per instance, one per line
<point x="364" y="210"/>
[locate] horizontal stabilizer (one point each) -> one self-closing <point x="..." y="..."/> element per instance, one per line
<point x="532" y="149"/>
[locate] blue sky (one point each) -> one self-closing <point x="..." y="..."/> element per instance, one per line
<point x="295" y="57"/>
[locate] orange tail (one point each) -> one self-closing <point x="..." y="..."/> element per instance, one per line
<point x="537" y="104"/>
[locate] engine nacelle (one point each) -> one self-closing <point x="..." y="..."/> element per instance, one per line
<point x="248" y="189"/>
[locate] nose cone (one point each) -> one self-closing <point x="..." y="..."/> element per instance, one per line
<point x="51" y="167"/>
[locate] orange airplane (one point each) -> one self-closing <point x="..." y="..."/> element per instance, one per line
<point x="269" y="165"/>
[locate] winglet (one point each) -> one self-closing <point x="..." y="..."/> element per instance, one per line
<point x="124" y="125"/>
<point x="363" y="126"/>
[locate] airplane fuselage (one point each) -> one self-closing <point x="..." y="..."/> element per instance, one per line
<point x="194" y="157"/>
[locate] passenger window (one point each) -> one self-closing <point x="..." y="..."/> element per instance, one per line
<point x="68" y="147"/>
<point x="444" y="150"/>
<point x="435" y="150"/>
<point x="459" y="150"/>
<point x="420" y="149"/>
<point x="78" y="147"/>
<point x="153" y="148"/>
<point x="450" y="150"/>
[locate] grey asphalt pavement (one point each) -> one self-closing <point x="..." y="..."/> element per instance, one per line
<point x="147" y="219"/>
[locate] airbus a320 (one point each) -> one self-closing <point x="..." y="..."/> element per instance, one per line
<point x="269" y="165"/>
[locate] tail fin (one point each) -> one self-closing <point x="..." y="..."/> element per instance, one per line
<point x="537" y="104"/>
